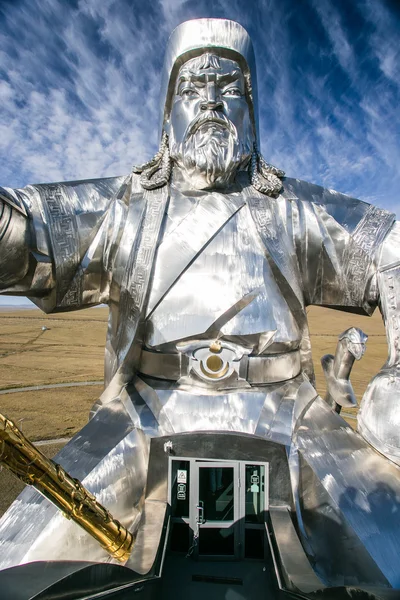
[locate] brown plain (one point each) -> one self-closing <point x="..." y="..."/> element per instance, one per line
<point x="72" y="350"/>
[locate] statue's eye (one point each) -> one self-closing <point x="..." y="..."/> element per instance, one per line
<point x="232" y="92"/>
<point x="188" y="93"/>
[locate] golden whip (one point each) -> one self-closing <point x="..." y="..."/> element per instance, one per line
<point x="66" y="493"/>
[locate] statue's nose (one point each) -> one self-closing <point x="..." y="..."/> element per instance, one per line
<point x="211" y="105"/>
<point x="212" y="100"/>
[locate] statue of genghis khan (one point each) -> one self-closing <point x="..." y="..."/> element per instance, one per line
<point x="207" y="257"/>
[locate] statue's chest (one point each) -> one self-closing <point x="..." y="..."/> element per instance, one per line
<point x="227" y="284"/>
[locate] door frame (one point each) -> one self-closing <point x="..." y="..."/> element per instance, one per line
<point x="239" y="501"/>
<point x="195" y="499"/>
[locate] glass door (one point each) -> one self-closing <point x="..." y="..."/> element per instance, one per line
<point x="218" y="508"/>
<point x="215" y="514"/>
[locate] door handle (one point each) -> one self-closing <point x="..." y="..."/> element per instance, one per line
<point x="200" y="513"/>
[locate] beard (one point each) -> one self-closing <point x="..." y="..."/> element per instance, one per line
<point x="211" y="152"/>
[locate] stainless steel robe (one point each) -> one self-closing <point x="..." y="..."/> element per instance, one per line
<point x="171" y="264"/>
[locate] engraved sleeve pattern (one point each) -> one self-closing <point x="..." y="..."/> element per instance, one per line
<point x="359" y="253"/>
<point x="63" y="234"/>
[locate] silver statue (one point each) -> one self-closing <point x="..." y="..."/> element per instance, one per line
<point x="207" y="257"/>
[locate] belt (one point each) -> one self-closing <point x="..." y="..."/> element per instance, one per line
<point x="215" y="365"/>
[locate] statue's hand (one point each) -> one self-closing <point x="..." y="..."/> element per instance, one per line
<point x="379" y="415"/>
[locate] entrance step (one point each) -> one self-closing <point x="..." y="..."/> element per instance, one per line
<point x="217" y="580"/>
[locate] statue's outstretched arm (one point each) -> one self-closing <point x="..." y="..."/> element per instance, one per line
<point x="26" y="263"/>
<point x="52" y="240"/>
<point x="379" y="415"/>
<point x="15" y="241"/>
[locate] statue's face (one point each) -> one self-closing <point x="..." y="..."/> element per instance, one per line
<point x="210" y="130"/>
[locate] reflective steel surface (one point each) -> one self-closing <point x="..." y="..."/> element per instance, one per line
<point x="109" y="456"/>
<point x="191" y="39"/>
<point x="351" y="346"/>
<point x="208" y="266"/>
<point x="25" y="461"/>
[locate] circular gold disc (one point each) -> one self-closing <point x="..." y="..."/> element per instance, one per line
<point x="214" y="363"/>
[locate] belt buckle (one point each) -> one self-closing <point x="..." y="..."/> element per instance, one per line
<point x="215" y="360"/>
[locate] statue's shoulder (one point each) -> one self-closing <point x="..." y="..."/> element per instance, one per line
<point x="351" y="213"/>
<point x="88" y="195"/>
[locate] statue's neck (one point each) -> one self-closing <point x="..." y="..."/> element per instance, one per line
<point x="181" y="180"/>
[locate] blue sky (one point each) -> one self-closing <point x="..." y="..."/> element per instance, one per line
<point x="79" y="85"/>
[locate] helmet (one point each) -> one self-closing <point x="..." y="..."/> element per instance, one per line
<point x="220" y="36"/>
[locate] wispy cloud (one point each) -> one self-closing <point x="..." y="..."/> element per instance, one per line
<point x="79" y="91"/>
<point x="79" y="88"/>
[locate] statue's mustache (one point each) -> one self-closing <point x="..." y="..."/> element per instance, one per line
<point x="211" y="117"/>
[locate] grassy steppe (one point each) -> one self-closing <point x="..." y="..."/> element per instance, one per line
<point x="72" y="350"/>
